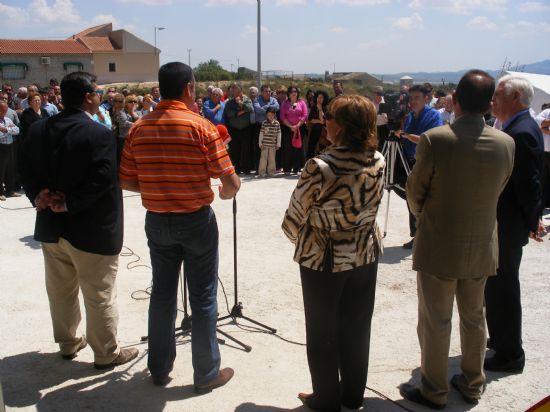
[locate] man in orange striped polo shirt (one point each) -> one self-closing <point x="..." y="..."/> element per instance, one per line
<point x="169" y="157"/>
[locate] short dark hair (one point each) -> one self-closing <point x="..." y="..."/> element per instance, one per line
<point x="356" y="116"/>
<point x="74" y="87"/>
<point x="419" y="88"/>
<point x="264" y="87"/>
<point x="173" y="78"/>
<point x="475" y="91"/>
<point x="271" y="109"/>
<point x="429" y="87"/>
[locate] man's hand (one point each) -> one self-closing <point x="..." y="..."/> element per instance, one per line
<point x="58" y="204"/>
<point x="541" y="231"/>
<point x="53" y="200"/>
<point x="42" y="199"/>
<point x="229" y="187"/>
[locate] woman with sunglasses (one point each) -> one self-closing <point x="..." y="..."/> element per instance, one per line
<point x="125" y="117"/>
<point x="293" y="115"/>
<point x="331" y="219"/>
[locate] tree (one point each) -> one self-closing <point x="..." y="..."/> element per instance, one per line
<point x="211" y="71"/>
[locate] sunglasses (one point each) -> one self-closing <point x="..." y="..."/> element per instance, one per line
<point x="118" y="101"/>
<point x="131" y="101"/>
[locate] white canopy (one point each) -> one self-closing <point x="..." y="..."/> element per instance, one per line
<point x="541" y="84"/>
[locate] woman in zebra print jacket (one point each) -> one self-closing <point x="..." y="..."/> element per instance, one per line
<point x="332" y="220"/>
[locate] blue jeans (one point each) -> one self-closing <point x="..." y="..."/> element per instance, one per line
<point x="192" y="238"/>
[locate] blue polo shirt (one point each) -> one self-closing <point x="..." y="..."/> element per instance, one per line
<point x="208" y="110"/>
<point x="426" y="120"/>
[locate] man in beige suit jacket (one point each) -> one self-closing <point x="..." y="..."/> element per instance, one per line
<point x="453" y="191"/>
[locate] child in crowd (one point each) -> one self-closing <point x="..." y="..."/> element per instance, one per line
<point x="270" y="142"/>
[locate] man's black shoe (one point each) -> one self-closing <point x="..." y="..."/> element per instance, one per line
<point x="409" y="244"/>
<point x="497" y="364"/>
<point x="161" y="380"/>
<point x="413" y="394"/>
<point x="467" y="399"/>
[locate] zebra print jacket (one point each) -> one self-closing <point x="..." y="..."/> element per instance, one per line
<point x="331" y="217"/>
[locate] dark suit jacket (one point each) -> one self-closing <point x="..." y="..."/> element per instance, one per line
<point x="72" y="154"/>
<point x="520" y="204"/>
<point x="453" y="191"/>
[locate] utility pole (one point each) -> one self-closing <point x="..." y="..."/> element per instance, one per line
<point x="259" y="46"/>
<point x="155" y="30"/>
<point x="189" y="57"/>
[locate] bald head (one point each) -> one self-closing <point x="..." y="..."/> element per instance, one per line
<point x="475" y="91"/>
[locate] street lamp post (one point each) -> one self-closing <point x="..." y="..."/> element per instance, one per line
<point x="189" y="57"/>
<point x="259" y="46"/>
<point x="155" y="30"/>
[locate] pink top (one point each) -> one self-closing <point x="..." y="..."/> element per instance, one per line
<point x="293" y="115"/>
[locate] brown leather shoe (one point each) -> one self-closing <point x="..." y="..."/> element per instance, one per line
<point x="224" y="376"/>
<point x="125" y="356"/>
<point x="82" y="345"/>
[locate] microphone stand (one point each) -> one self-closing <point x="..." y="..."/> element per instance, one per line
<point x="237" y="310"/>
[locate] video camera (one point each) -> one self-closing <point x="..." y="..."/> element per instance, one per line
<point x="396" y="107"/>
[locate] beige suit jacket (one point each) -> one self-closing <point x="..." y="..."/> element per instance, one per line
<point x="453" y="191"/>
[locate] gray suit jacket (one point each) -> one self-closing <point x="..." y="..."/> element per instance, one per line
<point x="453" y="191"/>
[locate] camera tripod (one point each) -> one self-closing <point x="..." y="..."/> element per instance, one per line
<point x="391" y="150"/>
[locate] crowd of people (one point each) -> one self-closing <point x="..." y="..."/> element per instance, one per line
<point x="466" y="176"/>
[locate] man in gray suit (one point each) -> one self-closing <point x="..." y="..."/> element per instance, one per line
<point x="453" y="191"/>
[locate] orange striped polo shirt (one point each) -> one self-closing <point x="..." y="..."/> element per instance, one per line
<point x="173" y="152"/>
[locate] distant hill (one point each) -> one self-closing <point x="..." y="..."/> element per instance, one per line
<point x="542" y="67"/>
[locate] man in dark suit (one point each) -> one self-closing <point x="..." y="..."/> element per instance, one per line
<point x="453" y="190"/>
<point x="518" y="214"/>
<point x="68" y="170"/>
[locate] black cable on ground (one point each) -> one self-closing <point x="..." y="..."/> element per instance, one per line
<point x="386" y="398"/>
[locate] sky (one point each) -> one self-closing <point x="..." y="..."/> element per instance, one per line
<point x="308" y="36"/>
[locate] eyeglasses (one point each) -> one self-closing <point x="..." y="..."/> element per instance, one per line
<point x="131" y="101"/>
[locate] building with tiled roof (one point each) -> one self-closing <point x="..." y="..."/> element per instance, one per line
<point x="113" y="56"/>
<point x="361" y="79"/>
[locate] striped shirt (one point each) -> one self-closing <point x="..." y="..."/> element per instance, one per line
<point x="173" y="152"/>
<point x="270" y="134"/>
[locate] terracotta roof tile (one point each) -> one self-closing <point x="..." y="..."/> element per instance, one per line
<point x="91" y="30"/>
<point x="96" y="44"/>
<point x="10" y="46"/>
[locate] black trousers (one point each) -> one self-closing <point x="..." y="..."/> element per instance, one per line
<point x="7" y="169"/>
<point x="503" y="304"/>
<point x="545" y="180"/>
<point x="254" y="142"/>
<point x="314" y="136"/>
<point x="412" y="219"/>
<point x="292" y="158"/>
<point x="240" y="149"/>
<point x="338" y="310"/>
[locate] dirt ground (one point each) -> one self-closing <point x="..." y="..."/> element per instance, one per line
<point x="268" y="378"/>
